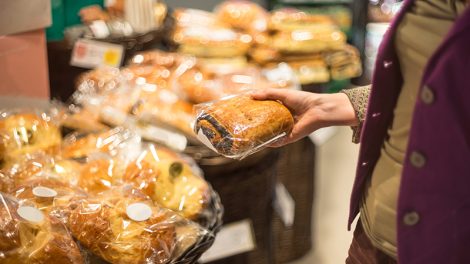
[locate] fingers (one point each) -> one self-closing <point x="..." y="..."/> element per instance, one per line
<point x="270" y="94"/>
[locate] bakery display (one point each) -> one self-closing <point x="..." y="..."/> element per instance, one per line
<point x="122" y="226"/>
<point x="28" y="236"/>
<point x="314" y="39"/>
<point x="238" y="125"/>
<point x="289" y="19"/>
<point x="26" y="133"/>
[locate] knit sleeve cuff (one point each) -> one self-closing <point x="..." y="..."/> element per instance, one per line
<point x="359" y="98"/>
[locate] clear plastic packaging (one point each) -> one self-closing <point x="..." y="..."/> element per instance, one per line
<point x="289" y="19"/>
<point x="123" y="226"/>
<point x="243" y="15"/>
<point x="344" y="62"/>
<point x="237" y="126"/>
<point x="30" y="236"/>
<point x="199" y="84"/>
<point x="314" y="39"/>
<point x="27" y="132"/>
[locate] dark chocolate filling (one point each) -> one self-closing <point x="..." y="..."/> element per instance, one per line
<point x="225" y="144"/>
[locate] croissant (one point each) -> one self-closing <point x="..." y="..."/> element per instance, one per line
<point x="238" y="124"/>
<point x="28" y="236"/>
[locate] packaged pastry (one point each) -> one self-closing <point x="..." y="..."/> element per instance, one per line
<point x="26" y="133"/>
<point x="289" y="19"/>
<point x="243" y="15"/>
<point x="212" y="42"/>
<point x="344" y="62"/>
<point x="237" y="126"/>
<point x="311" y="71"/>
<point x="123" y="226"/>
<point x="157" y="57"/>
<point x="188" y="17"/>
<point x="170" y="180"/>
<point x="30" y="236"/>
<point x="38" y="166"/>
<point x="315" y="39"/>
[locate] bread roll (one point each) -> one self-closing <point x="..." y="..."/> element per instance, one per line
<point x="108" y="226"/>
<point x="243" y="15"/>
<point x="237" y="125"/>
<point x="35" y="239"/>
<point x="169" y="181"/>
<point x="26" y="133"/>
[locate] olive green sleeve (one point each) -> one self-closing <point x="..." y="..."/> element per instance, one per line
<point x="359" y="98"/>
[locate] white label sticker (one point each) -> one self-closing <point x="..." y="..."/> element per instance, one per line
<point x="44" y="192"/>
<point x="284" y="205"/>
<point x="30" y="214"/>
<point x="233" y="239"/>
<point x="139" y="211"/>
<point x="90" y="54"/>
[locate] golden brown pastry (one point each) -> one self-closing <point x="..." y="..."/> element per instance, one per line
<point x="158" y="58"/>
<point x="188" y="17"/>
<point x="238" y="124"/>
<point x="170" y="182"/>
<point x="28" y="236"/>
<point x="78" y="146"/>
<point x="49" y="195"/>
<point x="100" y="79"/>
<point x="124" y="227"/>
<point x="212" y="42"/>
<point x="288" y="19"/>
<point x="164" y="108"/>
<point x="344" y="62"/>
<point x="243" y="15"/>
<point x="314" y="39"/>
<point x="27" y="133"/>
<point x="310" y="71"/>
<point x="98" y="175"/>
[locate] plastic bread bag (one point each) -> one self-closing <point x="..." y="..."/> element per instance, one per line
<point x="212" y="42"/>
<point x="243" y="15"/>
<point x="314" y="39"/>
<point x="38" y="166"/>
<point x="188" y="17"/>
<point x="146" y="130"/>
<point x="289" y="19"/>
<point x="123" y="226"/>
<point x="313" y="70"/>
<point x="24" y="132"/>
<point x="112" y="142"/>
<point x="237" y="126"/>
<point x="172" y="180"/>
<point x="100" y="80"/>
<point x="30" y="236"/>
<point x="344" y="62"/>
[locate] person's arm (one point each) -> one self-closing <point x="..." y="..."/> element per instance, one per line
<point x="359" y="98"/>
<point x="311" y="111"/>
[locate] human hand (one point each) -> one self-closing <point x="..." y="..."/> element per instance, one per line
<point x="310" y="111"/>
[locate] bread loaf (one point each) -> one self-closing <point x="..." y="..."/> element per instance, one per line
<point x="239" y="124"/>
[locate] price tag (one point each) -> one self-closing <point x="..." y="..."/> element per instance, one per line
<point x="233" y="239"/>
<point x="90" y="54"/>
<point x="284" y="205"/>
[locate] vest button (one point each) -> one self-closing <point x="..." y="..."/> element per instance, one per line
<point x="411" y="218"/>
<point x="427" y="95"/>
<point x="417" y="159"/>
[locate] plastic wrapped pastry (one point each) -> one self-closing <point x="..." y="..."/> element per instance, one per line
<point x="344" y="62"/>
<point x="311" y="71"/>
<point x="289" y="19"/>
<point x="157" y="57"/>
<point x="170" y="181"/>
<point x="212" y="42"/>
<point x="237" y="126"/>
<point x="314" y="39"/>
<point x="26" y="133"/>
<point x="243" y="15"/>
<point x="28" y="236"/>
<point x="188" y="17"/>
<point x="122" y="226"/>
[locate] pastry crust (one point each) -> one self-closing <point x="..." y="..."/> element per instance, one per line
<point x="239" y="124"/>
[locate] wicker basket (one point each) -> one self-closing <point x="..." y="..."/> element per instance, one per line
<point x="296" y="171"/>
<point x="246" y="189"/>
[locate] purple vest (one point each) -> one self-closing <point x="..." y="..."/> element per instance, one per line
<point x="433" y="214"/>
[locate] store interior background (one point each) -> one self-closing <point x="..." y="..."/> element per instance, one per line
<point x="334" y="162"/>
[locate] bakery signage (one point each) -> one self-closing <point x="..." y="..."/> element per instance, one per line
<point x="90" y="54"/>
